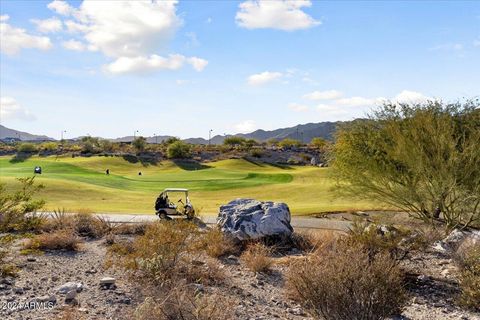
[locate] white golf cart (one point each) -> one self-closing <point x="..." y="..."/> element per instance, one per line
<point x="164" y="208"/>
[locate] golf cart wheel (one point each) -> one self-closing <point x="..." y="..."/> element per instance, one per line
<point x="163" y="216"/>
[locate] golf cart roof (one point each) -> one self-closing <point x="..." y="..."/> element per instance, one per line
<point x="175" y="190"/>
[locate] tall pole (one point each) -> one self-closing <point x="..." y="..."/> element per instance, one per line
<point x="155" y="135"/>
<point x="134" y="134"/>
<point x="62" y="134"/>
<point x="209" y="136"/>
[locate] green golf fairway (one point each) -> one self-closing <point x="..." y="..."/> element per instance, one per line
<point x="81" y="184"/>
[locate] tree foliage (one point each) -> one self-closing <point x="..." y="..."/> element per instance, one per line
<point x="139" y="144"/>
<point x="234" y="141"/>
<point x="179" y="150"/>
<point x="423" y="158"/>
<point x="289" y="143"/>
<point x="15" y="205"/>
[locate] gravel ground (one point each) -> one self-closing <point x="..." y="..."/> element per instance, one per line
<point x="432" y="285"/>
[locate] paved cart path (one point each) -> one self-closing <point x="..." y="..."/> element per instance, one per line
<point x="297" y="222"/>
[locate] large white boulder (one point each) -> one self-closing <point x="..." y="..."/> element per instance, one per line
<point x="251" y="219"/>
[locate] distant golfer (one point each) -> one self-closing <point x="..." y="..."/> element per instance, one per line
<point x="107" y="172"/>
<point x="38" y="170"/>
<point x="140" y="173"/>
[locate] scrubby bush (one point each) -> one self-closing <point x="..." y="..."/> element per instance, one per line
<point x="319" y="143"/>
<point x="421" y="158"/>
<point x="16" y="207"/>
<point x="6" y="267"/>
<point x="184" y="302"/>
<point x="49" y="146"/>
<point x="289" y="143"/>
<point x="234" y="141"/>
<point x="344" y="282"/>
<point x="257" y="258"/>
<point x="63" y="239"/>
<point x="468" y="259"/>
<point x="139" y="144"/>
<point x="216" y="244"/>
<point x="257" y="153"/>
<point x="179" y="150"/>
<point x="27" y="147"/>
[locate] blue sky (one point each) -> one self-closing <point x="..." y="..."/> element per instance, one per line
<point x="108" y="68"/>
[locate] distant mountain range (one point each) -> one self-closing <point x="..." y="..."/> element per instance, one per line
<point x="15" y="134"/>
<point x="302" y="132"/>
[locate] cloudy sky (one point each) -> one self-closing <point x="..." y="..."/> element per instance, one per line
<point x="108" y="68"/>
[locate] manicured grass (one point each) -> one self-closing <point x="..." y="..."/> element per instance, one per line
<point x="79" y="183"/>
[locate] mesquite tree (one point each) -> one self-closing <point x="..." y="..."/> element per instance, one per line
<point x="423" y="158"/>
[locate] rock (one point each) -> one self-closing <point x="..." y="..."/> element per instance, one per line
<point x="18" y="290"/>
<point x="31" y="259"/>
<point x="251" y="219"/>
<point x="107" y="281"/>
<point x="198" y="263"/>
<point x="72" y="294"/>
<point x="455" y="238"/>
<point x="3" y="287"/>
<point x="47" y="298"/>
<point x="69" y="286"/>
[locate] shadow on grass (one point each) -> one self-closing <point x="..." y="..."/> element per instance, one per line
<point x="190" y="165"/>
<point x="144" y="160"/>
<point x="21" y="157"/>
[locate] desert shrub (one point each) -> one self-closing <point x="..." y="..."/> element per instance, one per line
<point x="139" y="144"/>
<point x="319" y="143"/>
<point x="257" y="257"/>
<point x="88" y="225"/>
<point x="421" y="158"/>
<point x="184" y="302"/>
<point x="63" y="239"/>
<point x="257" y="153"/>
<point x="216" y="244"/>
<point x="179" y="150"/>
<point x="130" y="228"/>
<point x="468" y="259"/>
<point x="27" y="147"/>
<point x="159" y="254"/>
<point x="234" y="141"/>
<point x="289" y="143"/>
<point x="6" y="267"/>
<point x="49" y="146"/>
<point x="17" y="208"/>
<point x="310" y="241"/>
<point x="346" y="283"/>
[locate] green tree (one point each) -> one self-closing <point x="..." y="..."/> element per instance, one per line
<point x="319" y="143"/>
<point x="289" y="143"/>
<point x="139" y="144"/>
<point x="422" y="158"/>
<point x="171" y="140"/>
<point x="179" y="150"/>
<point x="49" y="146"/>
<point x="27" y="147"/>
<point x="234" y="141"/>
<point x="15" y="205"/>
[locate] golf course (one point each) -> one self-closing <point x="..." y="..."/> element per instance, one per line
<point x="80" y="184"/>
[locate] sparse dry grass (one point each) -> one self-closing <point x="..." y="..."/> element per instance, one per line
<point x="185" y="303"/>
<point x="6" y="267"/>
<point x="257" y="257"/>
<point x="63" y="239"/>
<point x="216" y="244"/>
<point x="467" y="257"/>
<point x="346" y="283"/>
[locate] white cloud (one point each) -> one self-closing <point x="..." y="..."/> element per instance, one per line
<point x="197" y="63"/>
<point x="61" y="7"/>
<point x="298" y="107"/>
<point x="48" y="25"/>
<point x="4" y="17"/>
<point x="10" y="109"/>
<point x="330" y="110"/>
<point x="263" y="78"/>
<point x="129" y="32"/>
<point x="15" y="39"/>
<point x="407" y="96"/>
<point x="209" y="20"/>
<point x="154" y="62"/>
<point x="245" y="126"/>
<point x="74" y="45"/>
<point x="355" y="102"/>
<point x="323" y="95"/>
<point x="284" y="15"/>
<point x="182" y="82"/>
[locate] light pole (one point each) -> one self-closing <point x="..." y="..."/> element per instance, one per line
<point x="134" y="134"/>
<point x="155" y="135"/>
<point x="63" y="131"/>
<point x="209" y="136"/>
